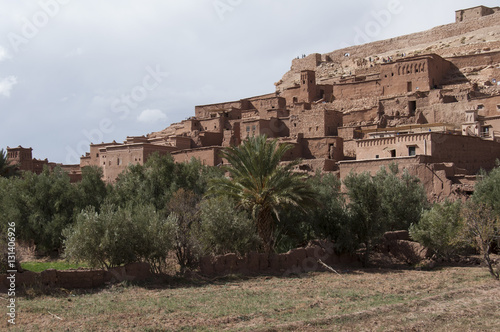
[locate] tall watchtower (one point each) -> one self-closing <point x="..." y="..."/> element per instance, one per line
<point x="307" y="86"/>
<point x="21" y="156"/>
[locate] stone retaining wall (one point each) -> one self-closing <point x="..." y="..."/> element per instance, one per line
<point x="295" y="261"/>
<point x="72" y="279"/>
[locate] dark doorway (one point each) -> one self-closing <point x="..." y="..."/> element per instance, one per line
<point x="331" y="151"/>
<point x="412" y="107"/>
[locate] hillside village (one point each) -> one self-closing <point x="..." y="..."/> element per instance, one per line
<point x="429" y="102"/>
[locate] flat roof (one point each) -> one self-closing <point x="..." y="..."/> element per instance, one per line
<point x="379" y="159"/>
<point x="446" y="126"/>
<point x="212" y="147"/>
<point x="480" y="6"/>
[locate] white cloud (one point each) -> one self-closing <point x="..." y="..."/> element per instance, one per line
<point x="7" y="84"/>
<point x="151" y="116"/>
<point x="3" y="54"/>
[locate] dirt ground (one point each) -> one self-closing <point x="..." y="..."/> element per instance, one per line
<point x="379" y="299"/>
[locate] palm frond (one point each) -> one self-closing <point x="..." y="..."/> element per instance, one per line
<point x="258" y="183"/>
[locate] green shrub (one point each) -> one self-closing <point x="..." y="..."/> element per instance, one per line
<point x="438" y="229"/>
<point x="42" y="206"/>
<point x="377" y="204"/>
<point x="92" y="190"/>
<point x="224" y="229"/>
<point x="185" y="221"/>
<point x="487" y="190"/>
<point x="324" y="221"/>
<point x="104" y="239"/>
<point x="481" y="228"/>
<point x="158" y="179"/>
<point x="157" y="237"/>
<point x="119" y="236"/>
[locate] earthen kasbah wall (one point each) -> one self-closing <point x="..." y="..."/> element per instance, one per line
<point x="474" y="13"/>
<point x="22" y="157"/>
<point x="75" y="279"/>
<point x="357" y="90"/>
<point x="379" y="47"/>
<point x="208" y="156"/>
<point x="328" y="105"/>
<point x="466" y="152"/>
<point x="316" y="122"/>
<point x="295" y="261"/>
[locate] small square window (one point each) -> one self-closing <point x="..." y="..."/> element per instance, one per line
<point x="412" y="150"/>
<point x="409" y="86"/>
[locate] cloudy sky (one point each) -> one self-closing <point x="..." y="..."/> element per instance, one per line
<point x="79" y="71"/>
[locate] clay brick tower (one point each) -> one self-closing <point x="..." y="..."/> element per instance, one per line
<point x="307" y="86"/>
<point x="21" y="156"/>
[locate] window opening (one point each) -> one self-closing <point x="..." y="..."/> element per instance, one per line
<point x="412" y="107"/>
<point x="409" y="86"/>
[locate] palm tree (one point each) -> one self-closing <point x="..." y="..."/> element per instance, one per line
<point x="6" y="168"/>
<point x="260" y="184"/>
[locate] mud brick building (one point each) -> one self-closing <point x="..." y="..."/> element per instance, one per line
<point x="23" y="157"/>
<point x="429" y="102"/>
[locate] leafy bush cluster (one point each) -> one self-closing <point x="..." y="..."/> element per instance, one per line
<point x="438" y="229"/>
<point x="116" y="236"/>
<point x="225" y="229"/>
<point x="150" y="210"/>
<point x="162" y="206"/>
<point x="449" y="228"/>
<point x="43" y="205"/>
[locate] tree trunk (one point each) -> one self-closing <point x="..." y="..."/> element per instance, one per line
<point x="486" y="255"/>
<point x="265" y="228"/>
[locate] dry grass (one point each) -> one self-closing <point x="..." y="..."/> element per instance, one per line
<point x="447" y="299"/>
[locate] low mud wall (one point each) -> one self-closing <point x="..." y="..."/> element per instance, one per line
<point x="295" y="261"/>
<point x="399" y="245"/>
<point x="72" y="279"/>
